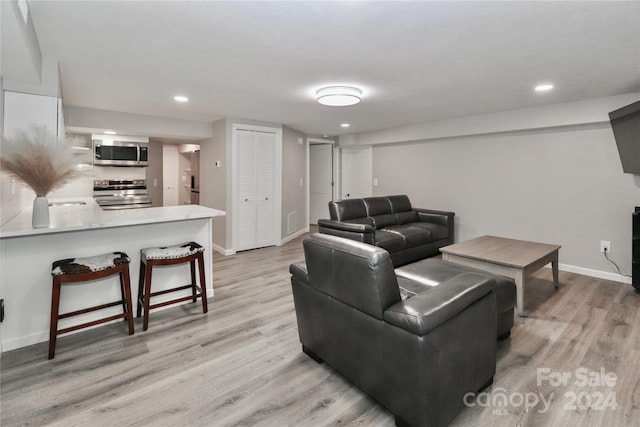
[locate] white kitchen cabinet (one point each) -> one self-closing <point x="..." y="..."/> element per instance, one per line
<point x="22" y="110"/>
<point x="256" y="178"/>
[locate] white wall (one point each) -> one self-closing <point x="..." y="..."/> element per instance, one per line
<point x="294" y="185"/>
<point x="213" y="180"/>
<point x="79" y="119"/>
<point x="561" y="185"/>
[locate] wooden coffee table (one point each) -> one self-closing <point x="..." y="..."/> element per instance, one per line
<point x="509" y="257"/>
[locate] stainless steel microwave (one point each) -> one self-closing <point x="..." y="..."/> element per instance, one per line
<point x="120" y="153"/>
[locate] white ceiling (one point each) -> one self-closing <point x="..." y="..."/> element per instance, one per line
<point x="415" y="61"/>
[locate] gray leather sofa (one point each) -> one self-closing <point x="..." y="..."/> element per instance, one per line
<point x="417" y="356"/>
<point x="390" y="222"/>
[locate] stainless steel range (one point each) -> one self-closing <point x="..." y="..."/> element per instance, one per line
<point x="115" y="194"/>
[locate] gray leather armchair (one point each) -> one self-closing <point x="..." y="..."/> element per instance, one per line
<point x="418" y="356"/>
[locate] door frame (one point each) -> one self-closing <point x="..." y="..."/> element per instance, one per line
<point x="169" y="167"/>
<point x="278" y="179"/>
<point x="335" y="165"/>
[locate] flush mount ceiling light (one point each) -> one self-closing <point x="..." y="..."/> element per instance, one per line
<point x="109" y="132"/>
<point x="180" y="98"/>
<point x="345" y="125"/>
<point x="544" y="87"/>
<point x="338" y="96"/>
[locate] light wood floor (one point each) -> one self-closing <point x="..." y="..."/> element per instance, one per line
<point x="241" y="364"/>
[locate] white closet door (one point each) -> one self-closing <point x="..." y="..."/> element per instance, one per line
<point x="265" y="189"/>
<point x="255" y="175"/>
<point x="246" y="207"/>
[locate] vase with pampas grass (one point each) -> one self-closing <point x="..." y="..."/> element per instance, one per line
<point x="43" y="162"/>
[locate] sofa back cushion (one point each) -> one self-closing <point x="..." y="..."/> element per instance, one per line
<point x="347" y="209"/>
<point x="407" y="217"/>
<point x="379" y="209"/>
<point x="400" y="203"/>
<point x="355" y="273"/>
<point x="377" y="206"/>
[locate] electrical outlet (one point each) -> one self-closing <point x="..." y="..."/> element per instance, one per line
<point x="605" y="246"/>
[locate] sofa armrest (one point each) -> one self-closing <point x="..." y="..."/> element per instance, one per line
<point x="299" y="271"/>
<point x="439" y="217"/>
<point x="346" y="226"/>
<point x="360" y="232"/>
<point x="429" y="309"/>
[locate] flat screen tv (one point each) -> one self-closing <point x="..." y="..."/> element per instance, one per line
<point x="625" y="123"/>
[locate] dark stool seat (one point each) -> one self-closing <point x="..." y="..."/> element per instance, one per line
<point x="75" y="270"/>
<point x="170" y="255"/>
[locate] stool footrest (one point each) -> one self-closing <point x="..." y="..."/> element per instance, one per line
<point x="86" y="325"/>
<point x="174" y="301"/>
<point x="166" y="291"/>
<point x="90" y="309"/>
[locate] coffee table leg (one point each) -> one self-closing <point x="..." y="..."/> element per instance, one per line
<point x="554" y="269"/>
<point x="519" y="279"/>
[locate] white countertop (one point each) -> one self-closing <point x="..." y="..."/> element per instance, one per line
<point x="64" y="218"/>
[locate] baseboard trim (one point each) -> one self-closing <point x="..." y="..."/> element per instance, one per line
<point x="290" y="237"/>
<point x="594" y="273"/>
<point x="222" y="250"/>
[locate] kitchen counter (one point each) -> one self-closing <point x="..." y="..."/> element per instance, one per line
<point x="78" y="230"/>
<point x="66" y="215"/>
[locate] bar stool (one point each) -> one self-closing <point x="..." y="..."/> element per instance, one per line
<point x="164" y="256"/>
<point x="75" y="270"/>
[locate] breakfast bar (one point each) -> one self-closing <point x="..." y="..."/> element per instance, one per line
<point x="79" y="228"/>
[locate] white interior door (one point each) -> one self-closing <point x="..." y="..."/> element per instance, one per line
<point x="356" y="172"/>
<point x="265" y="189"/>
<point x="170" y="175"/>
<point x="246" y="206"/>
<point x="256" y="206"/>
<point x="320" y="180"/>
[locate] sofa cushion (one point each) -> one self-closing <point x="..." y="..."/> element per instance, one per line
<point x="382" y="221"/>
<point x="389" y="241"/>
<point x="347" y="209"/>
<point x="377" y="206"/>
<point x="407" y="217"/>
<point x="413" y="236"/>
<point x="399" y="203"/>
<point x="436" y="231"/>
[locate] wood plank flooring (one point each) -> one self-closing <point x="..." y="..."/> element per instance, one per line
<point x="241" y="364"/>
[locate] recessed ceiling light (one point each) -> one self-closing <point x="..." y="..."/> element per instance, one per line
<point x="110" y="132"/>
<point x="345" y="125"/>
<point x="544" y="87"/>
<point x="338" y="96"/>
<point x="180" y="98"/>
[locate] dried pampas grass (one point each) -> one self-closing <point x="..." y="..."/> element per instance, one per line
<point x="39" y="159"/>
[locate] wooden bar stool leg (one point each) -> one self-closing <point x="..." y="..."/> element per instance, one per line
<point x="147" y="295"/>
<point x="55" y="307"/>
<point x="128" y="309"/>
<point x="192" y="266"/>
<point x="140" y="289"/>
<point x="123" y="294"/>
<point x="203" y="284"/>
